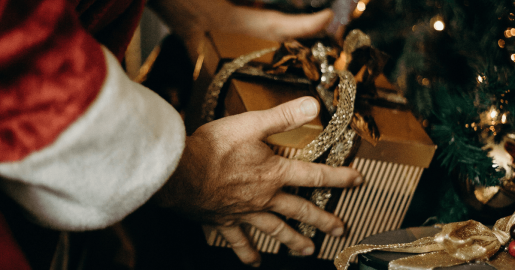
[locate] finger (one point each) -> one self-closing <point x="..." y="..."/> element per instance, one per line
<point x="277" y="228"/>
<point x="299" y="173"/>
<point x="240" y="245"/>
<point x="304" y="211"/>
<point x="273" y="25"/>
<point x="284" y="117"/>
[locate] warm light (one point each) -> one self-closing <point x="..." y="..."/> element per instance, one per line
<point x="501" y="43"/>
<point x="512" y="32"/>
<point x="507" y="33"/>
<point x="439" y="25"/>
<point x="479" y="78"/>
<point x="425" y="81"/>
<point x="493" y="113"/>
<point x="361" y="6"/>
<point x="503" y="119"/>
<point x="512" y="57"/>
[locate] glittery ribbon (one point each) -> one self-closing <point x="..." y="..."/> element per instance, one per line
<point x="457" y="243"/>
<point x="338" y="137"/>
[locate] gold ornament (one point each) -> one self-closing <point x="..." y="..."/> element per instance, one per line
<point x="490" y="203"/>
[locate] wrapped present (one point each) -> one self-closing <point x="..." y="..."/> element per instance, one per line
<point x="466" y="245"/>
<point x="391" y="161"/>
<point x="216" y="49"/>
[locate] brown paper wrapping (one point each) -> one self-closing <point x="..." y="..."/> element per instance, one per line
<point x="402" y="139"/>
<point x="215" y="49"/>
<point x="394" y="165"/>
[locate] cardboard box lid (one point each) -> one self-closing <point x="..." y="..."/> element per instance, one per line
<point x="221" y="45"/>
<point x="402" y="138"/>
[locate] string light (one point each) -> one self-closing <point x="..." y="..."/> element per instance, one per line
<point x="493" y="114"/>
<point x="479" y="79"/>
<point x="361" y="6"/>
<point x="501" y="43"/>
<point x="439" y="25"/>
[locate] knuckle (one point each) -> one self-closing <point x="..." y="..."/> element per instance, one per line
<point x="317" y="177"/>
<point x="275" y="31"/>
<point x="288" y="116"/>
<point x="241" y="243"/>
<point x="250" y="258"/>
<point x="278" y="229"/>
<point x="303" y="212"/>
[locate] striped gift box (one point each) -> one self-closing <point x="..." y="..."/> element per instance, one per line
<point x="391" y="168"/>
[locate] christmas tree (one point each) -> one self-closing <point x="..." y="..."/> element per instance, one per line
<point x="454" y="61"/>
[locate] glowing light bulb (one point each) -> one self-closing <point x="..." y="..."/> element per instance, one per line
<point x="439" y="25"/>
<point x="503" y="119"/>
<point x="493" y="114"/>
<point x="512" y="57"/>
<point x="501" y="43"/>
<point x="479" y="79"/>
<point x="361" y="6"/>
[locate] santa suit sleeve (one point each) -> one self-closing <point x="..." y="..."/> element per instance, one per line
<point x="81" y="146"/>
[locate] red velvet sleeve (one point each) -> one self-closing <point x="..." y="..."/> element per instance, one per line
<point x="51" y="70"/>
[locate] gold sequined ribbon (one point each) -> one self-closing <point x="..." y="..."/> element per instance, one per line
<point x="457" y="243"/>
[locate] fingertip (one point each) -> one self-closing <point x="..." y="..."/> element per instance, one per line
<point x="358" y="181"/>
<point x="327" y="13"/>
<point x="256" y="264"/>
<point x="287" y="116"/>
<point x="309" y="107"/>
<point x="308" y="251"/>
<point x="337" y="231"/>
<point x="253" y="260"/>
<point x="324" y="19"/>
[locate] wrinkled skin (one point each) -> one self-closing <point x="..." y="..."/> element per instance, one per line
<point x="228" y="176"/>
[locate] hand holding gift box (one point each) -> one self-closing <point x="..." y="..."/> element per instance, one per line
<point x="393" y="162"/>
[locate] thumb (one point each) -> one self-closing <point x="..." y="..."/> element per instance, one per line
<point x="287" y="116"/>
<point x="273" y="25"/>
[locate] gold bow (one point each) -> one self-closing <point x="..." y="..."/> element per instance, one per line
<point x="457" y="243"/>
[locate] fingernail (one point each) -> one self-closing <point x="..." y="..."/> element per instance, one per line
<point x="308" y="251"/>
<point x="337" y="232"/>
<point x="256" y="264"/>
<point x="309" y="107"/>
<point x="358" y="181"/>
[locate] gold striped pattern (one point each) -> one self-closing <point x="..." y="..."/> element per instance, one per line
<point x="378" y="205"/>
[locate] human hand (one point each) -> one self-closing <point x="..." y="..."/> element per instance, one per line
<point x="228" y="176"/>
<point x="189" y="16"/>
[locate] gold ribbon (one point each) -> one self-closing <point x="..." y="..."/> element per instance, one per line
<point x="457" y="243"/>
<point x="337" y="136"/>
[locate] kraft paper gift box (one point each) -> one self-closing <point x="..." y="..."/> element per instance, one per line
<point x="391" y="168"/>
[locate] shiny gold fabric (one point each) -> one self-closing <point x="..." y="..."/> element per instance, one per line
<point x="457" y="243"/>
